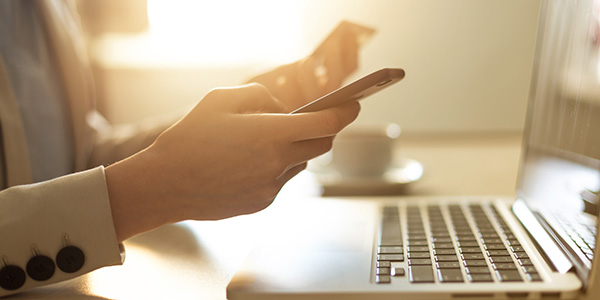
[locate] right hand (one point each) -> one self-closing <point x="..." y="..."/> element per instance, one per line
<point x="229" y="156"/>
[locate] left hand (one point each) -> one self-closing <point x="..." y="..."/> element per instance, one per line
<point x="321" y="72"/>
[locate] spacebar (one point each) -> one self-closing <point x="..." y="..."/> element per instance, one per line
<point x="419" y="274"/>
<point x="391" y="235"/>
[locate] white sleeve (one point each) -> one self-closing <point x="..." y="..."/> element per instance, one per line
<point x="56" y="230"/>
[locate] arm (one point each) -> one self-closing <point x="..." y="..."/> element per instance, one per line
<point x="200" y="155"/>
<point x="116" y="142"/>
<point x="229" y="156"/>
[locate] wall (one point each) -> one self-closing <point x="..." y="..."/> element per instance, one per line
<point x="468" y="64"/>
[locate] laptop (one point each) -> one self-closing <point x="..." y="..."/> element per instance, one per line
<point x="537" y="244"/>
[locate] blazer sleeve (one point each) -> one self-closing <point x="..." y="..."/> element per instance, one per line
<point x="56" y="230"/>
<point x="115" y="142"/>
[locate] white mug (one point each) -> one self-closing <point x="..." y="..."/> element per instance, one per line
<point x="365" y="150"/>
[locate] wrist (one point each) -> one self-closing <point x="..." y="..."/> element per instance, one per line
<point x="135" y="200"/>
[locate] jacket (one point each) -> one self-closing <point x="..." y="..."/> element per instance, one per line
<point x="62" y="228"/>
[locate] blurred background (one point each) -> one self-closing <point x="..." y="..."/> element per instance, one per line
<point x="468" y="62"/>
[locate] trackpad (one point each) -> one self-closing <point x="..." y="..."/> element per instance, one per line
<point x="322" y="245"/>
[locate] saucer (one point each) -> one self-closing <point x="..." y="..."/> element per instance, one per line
<point x="393" y="182"/>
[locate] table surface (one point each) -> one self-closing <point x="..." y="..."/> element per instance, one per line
<point x="195" y="260"/>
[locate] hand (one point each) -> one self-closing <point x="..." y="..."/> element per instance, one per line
<point x="320" y="73"/>
<point x="229" y="156"/>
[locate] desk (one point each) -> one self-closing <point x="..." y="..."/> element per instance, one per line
<point x="195" y="260"/>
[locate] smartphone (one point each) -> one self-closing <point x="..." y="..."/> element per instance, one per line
<point x="355" y="91"/>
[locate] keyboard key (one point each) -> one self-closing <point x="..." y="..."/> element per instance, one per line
<point x="390" y="210"/>
<point x="475" y="263"/>
<point x="497" y="252"/>
<point x="444" y="251"/>
<point x="418" y="249"/>
<point x="441" y="240"/>
<point x="397" y="270"/>
<point x="383" y="271"/>
<point x="391" y="234"/>
<point x="473" y="256"/>
<point x="383" y="279"/>
<point x="508" y="275"/>
<point x="450" y="275"/>
<point x="517" y="249"/>
<point x="416" y="232"/>
<point x="418" y="255"/>
<point x="390" y="250"/>
<point x="480" y="277"/>
<point x="521" y="254"/>
<point x="443" y="245"/>
<point x="420" y="261"/>
<point x="477" y="270"/>
<point x="501" y="259"/>
<point x="390" y="242"/>
<point x="462" y="228"/>
<point x="495" y="246"/>
<point x="448" y="265"/>
<point x="468" y="244"/>
<point x="420" y="274"/>
<point x="383" y="264"/>
<point x="487" y="229"/>
<point x="418" y="237"/>
<point x="492" y="235"/>
<point x="504" y="266"/>
<point x="391" y="257"/>
<point x="525" y="262"/>
<point x="465" y="237"/>
<point x="446" y="258"/>
<point x="492" y="241"/>
<point x="529" y="269"/>
<point x="534" y="277"/>
<point x="413" y="242"/>
<point x="514" y="242"/>
<point x="470" y="250"/>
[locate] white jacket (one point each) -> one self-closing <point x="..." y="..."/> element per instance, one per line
<point x="42" y="219"/>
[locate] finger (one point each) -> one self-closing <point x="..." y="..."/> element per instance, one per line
<point x="339" y="52"/>
<point x="250" y="98"/>
<point x="259" y="99"/>
<point x="282" y="82"/>
<point x="335" y="64"/>
<point x="308" y="77"/>
<point x="289" y="174"/>
<point x="306" y="150"/>
<point x="341" y="61"/>
<point x="313" y="125"/>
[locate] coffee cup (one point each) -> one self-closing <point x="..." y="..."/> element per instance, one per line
<point x="364" y="150"/>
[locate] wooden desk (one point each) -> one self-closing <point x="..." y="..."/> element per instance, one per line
<point x="476" y="164"/>
<point x="195" y="260"/>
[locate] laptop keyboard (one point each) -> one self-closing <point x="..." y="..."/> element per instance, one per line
<point x="582" y="231"/>
<point x="436" y="248"/>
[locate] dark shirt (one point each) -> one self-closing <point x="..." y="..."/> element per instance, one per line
<point x="34" y="79"/>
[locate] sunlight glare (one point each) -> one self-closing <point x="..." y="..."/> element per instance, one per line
<point x="227" y="31"/>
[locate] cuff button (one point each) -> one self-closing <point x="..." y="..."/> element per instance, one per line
<point x="70" y="259"/>
<point x="11" y="277"/>
<point x="40" y="268"/>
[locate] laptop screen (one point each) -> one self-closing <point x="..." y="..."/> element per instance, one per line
<point x="560" y="173"/>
